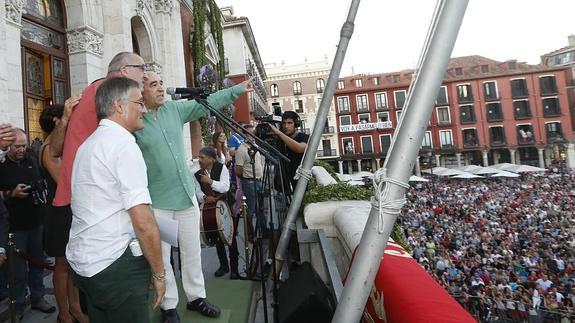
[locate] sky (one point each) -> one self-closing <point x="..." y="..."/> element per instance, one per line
<point x="389" y="35"/>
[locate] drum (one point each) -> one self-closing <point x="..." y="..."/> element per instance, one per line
<point x="216" y="223"/>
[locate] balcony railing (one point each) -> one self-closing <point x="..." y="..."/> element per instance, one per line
<point x="362" y="109"/>
<point x="381" y="107"/>
<point x="444" y="122"/>
<point x="329" y="129"/>
<point x="326" y="153"/>
<point x="470" y="144"/>
<point x="525" y="137"/>
<point x="497" y="142"/>
<point x="555" y="137"/>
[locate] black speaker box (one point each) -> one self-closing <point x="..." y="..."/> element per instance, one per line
<point x="305" y="298"/>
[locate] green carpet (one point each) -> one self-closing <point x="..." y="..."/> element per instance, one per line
<point x="232" y="296"/>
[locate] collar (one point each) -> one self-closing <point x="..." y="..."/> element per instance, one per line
<point x="114" y="125"/>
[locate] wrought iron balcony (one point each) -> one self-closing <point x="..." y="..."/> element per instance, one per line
<point x="329" y="129"/>
<point x="326" y="153"/>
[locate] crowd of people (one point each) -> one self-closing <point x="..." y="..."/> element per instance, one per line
<point x="504" y="248"/>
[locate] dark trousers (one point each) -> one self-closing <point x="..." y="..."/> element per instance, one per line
<point x="233" y="249"/>
<point x="28" y="274"/>
<point x="119" y="293"/>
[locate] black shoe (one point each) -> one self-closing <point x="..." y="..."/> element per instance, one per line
<point x="43" y="306"/>
<point x="221" y="271"/>
<point x="234" y="275"/>
<point x="170" y="316"/>
<point x="202" y="306"/>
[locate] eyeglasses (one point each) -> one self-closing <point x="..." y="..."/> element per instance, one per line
<point x="137" y="102"/>
<point x="142" y="67"/>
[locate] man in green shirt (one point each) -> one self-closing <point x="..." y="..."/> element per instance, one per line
<point x="172" y="187"/>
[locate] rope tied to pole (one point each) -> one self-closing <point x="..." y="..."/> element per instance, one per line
<point x="303" y="173"/>
<point x="382" y="188"/>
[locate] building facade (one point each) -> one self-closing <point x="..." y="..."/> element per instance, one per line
<point x="243" y="61"/>
<point x="300" y="88"/>
<point x="486" y="112"/>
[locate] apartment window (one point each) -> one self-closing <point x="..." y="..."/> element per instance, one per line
<point x="296" y="88"/>
<point x="494" y="112"/>
<point x="464" y="93"/>
<point x="525" y="134"/>
<point x="298" y="104"/>
<point x="442" y="96"/>
<point x="484" y="69"/>
<point x="443" y="116"/>
<point x="467" y="114"/>
<point x="512" y="65"/>
<point x="445" y="138"/>
<point x="385" y="143"/>
<point x="458" y="71"/>
<point x="362" y="104"/>
<point x="358" y="83"/>
<point x="427" y="142"/>
<point x="519" y="88"/>
<point x="383" y="117"/>
<point x="340" y="85"/>
<point x="381" y="101"/>
<point x="399" y="98"/>
<point x="554" y="133"/>
<point x="376" y="81"/>
<point x="497" y="135"/>
<point x="470" y="138"/>
<point x="274" y="90"/>
<point x="551" y="107"/>
<point x="344" y="120"/>
<point x="521" y="109"/>
<point x="490" y="90"/>
<point x="343" y="104"/>
<point x="320" y="85"/>
<point x="366" y="145"/>
<point x="363" y="118"/>
<point x="348" y="147"/>
<point x="398" y="116"/>
<point x="396" y="78"/>
<point x="548" y="85"/>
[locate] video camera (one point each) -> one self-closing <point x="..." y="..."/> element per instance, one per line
<point x="38" y="191"/>
<point x="263" y="130"/>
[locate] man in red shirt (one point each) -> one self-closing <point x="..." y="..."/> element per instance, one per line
<point x="75" y="128"/>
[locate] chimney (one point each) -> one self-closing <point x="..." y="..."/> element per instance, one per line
<point x="571" y="40"/>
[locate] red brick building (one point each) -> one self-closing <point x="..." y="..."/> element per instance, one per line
<point x="486" y="112"/>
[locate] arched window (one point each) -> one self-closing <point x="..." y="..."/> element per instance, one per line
<point x="320" y="85"/>
<point x="274" y="91"/>
<point x="296" y="88"/>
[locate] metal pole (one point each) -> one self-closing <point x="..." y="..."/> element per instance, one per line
<point x="403" y="151"/>
<point x="11" y="287"/>
<point x="312" y="145"/>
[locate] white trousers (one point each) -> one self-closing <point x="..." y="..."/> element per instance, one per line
<point x="190" y="255"/>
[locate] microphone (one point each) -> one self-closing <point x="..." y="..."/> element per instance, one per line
<point x="179" y="96"/>
<point x="192" y="91"/>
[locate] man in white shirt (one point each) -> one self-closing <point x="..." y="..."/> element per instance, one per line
<point x="111" y="202"/>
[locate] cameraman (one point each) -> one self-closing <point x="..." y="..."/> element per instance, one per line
<point x="293" y="145"/>
<point x="24" y="192"/>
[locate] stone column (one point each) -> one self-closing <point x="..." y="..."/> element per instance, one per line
<point x="496" y="157"/>
<point x="350" y="167"/>
<point x="438" y="160"/>
<point x="548" y="153"/>
<point x="417" y="167"/>
<point x="512" y="155"/>
<point x="458" y="155"/>
<point x="518" y="157"/>
<point x="541" y="158"/>
<point x="570" y="156"/>
<point x="359" y="165"/>
<point x="340" y="164"/>
<point x="485" y="158"/>
<point x="377" y="161"/>
<point x="11" y="103"/>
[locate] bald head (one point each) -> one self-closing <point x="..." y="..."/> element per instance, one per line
<point x="153" y="90"/>
<point x="126" y="64"/>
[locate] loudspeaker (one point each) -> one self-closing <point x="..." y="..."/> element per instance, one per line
<point x="305" y="298"/>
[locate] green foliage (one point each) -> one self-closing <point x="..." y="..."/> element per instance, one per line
<point x="328" y="168"/>
<point x="399" y="238"/>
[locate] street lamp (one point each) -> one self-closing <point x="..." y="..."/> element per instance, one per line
<point x="430" y="160"/>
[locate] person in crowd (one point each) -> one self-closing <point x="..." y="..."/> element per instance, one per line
<point x="6" y="138"/>
<point x="114" y="249"/>
<point x="234" y="143"/>
<point x="71" y="131"/>
<point x="214" y="182"/>
<point x="172" y="187"/>
<point x="219" y="144"/>
<point x="250" y="171"/>
<point x="57" y="220"/>
<point x="25" y="193"/>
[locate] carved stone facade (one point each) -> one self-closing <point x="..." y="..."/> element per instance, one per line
<point x="85" y="39"/>
<point x="14" y="10"/>
<point x="164" y="6"/>
<point x="142" y="5"/>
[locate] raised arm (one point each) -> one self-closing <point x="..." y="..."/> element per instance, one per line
<point x="56" y="147"/>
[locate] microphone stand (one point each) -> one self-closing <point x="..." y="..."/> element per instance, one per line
<point x="269" y="152"/>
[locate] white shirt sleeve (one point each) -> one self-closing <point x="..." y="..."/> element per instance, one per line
<point x="132" y="178"/>
<point x="223" y="185"/>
